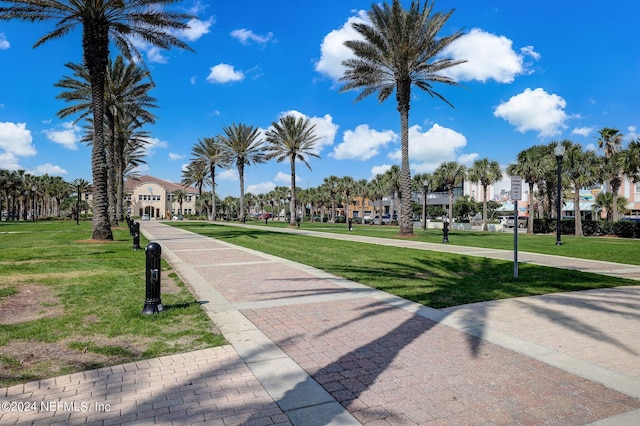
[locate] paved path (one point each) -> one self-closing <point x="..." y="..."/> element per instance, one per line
<point x="308" y="348"/>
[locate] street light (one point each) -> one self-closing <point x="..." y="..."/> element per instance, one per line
<point x="559" y="152"/>
<point x="425" y="187"/>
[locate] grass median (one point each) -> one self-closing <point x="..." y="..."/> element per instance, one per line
<point x="69" y="304"/>
<point x="431" y="278"/>
<point x="612" y="249"/>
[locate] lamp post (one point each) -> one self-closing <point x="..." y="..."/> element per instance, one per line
<point x="78" y="207"/>
<point x="33" y="203"/>
<point x="425" y="187"/>
<point x="559" y="152"/>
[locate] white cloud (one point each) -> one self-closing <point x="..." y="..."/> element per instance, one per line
<point x="488" y="56"/>
<point x="631" y="133"/>
<point x="174" y="157"/>
<point x="228" y="175"/>
<point x="534" y="110"/>
<point x="153" y="144"/>
<point x="333" y="51"/>
<point x="224" y="73"/>
<point x="68" y="137"/>
<point x="8" y="161"/>
<point x="50" y="169"/>
<point x="468" y="159"/>
<point x="245" y="36"/>
<point x="197" y="29"/>
<point x="582" y="131"/>
<point x="380" y="170"/>
<point x="362" y="143"/>
<point x="284" y="178"/>
<point x="16" y="139"/>
<point x="427" y="150"/>
<point x="261" y="188"/>
<point x="324" y="128"/>
<point x="4" y="43"/>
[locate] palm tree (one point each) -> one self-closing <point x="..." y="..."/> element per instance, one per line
<point x="531" y="165"/>
<point x="209" y="154"/>
<point x="401" y="48"/>
<point x="179" y="195"/>
<point x="422" y="183"/>
<point x="102" y="22"/>
<point x="487" y="173"/>
<point x="583" y="169"/>
<point x="360" y="189"/>
<point x="331" y="184"/>
<point x="610" y="141"/>
<point x="393" y="176"/>
<point x="378" y="188"/>
<point x="604" y="202"/>
<point x="292" y="139"/>
<point x="80" y="186"/>
<point x="448" y="175"/>
<point x="243" y="146"/>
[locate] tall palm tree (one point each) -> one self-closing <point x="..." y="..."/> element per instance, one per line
<point x="584" y="169"/>
<point x="102" y="22"/>
<point x="361" y="190"/>
<point x="401" y="48"/>
<point x="448" y="175"/>
<point x="610" y="141"/>
<point x="393" y="176"/>
<point x="378" y="188"/>
<point x="293" y="139"/>
<point x="331" y="185"/>
<point x="243" y="147"/>
<point x="208" y="154"/>
<point x="487" y="173"/>
<point x="179" y="195"/>
<point x="531" y="165"/>
<point x="422" y="183"/>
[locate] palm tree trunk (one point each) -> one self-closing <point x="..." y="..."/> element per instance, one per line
<point x="292" y="204"/>
<point x="485" y="227"/>
<point x="403" y="94"/>
<point x="240" y="167"/>
<point x="95" y="43"/>
<point x="576" y="210"/>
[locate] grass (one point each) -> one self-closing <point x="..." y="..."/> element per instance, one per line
<point x="71" y="304"/>
<point x="431" y="278"/>
<point x="621" y="250"/>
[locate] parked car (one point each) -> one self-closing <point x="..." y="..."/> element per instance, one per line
<point x="476" y="220"/>
<point x="368" y="218"/>
<point x="522" y="221"/>
<point x="145" y="217"/>
<point x="386" y="219"/>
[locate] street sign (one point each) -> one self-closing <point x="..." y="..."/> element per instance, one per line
<point x="516" y="190"/>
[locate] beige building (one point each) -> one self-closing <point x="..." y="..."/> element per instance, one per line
<point x="151" y="196"/>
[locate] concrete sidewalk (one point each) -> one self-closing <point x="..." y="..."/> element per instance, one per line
<point x="308" y="348"/>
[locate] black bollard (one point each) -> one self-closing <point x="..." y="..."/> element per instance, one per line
<point x="350" y="221"/>
<point x="445" y="231"/>
<point x="130" y="225"/>
<point x="152" y="303"/>
<point x="136" y="236"/>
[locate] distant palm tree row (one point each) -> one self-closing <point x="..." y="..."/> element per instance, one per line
<point x="23" y="195"/>
<point x="581" y="169"/>
<point x="537" y="166"/>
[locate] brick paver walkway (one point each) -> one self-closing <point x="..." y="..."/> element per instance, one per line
<point x="312" y="349"/>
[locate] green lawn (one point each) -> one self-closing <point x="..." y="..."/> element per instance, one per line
<point x="622" y="250"/>
<point x="69" y="304"/>
<point x="431" y="278"/>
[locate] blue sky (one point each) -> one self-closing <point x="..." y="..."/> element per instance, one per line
<point x="536" y="72"/>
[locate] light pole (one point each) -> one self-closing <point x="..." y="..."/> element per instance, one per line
<point x="425" y="187"/>
<point x="559" y="152"/>
<point x="78" y="207"/>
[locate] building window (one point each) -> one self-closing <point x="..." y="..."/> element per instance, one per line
<point x="637" y="186"/>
